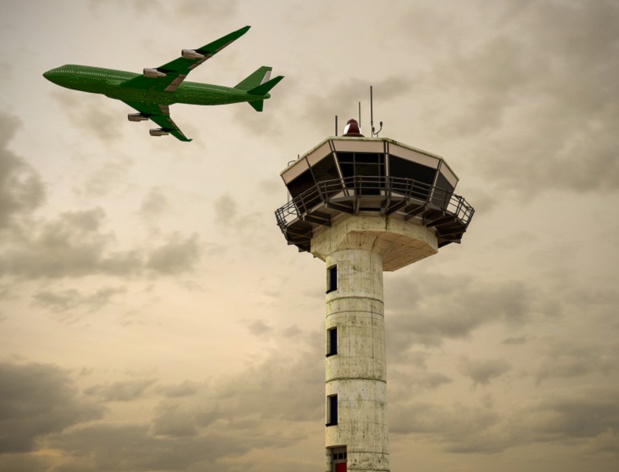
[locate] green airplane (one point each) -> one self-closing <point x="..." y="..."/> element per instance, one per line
<point x="152" y="92"/>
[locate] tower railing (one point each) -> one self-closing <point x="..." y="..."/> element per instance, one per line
<point x="386" y="194"/>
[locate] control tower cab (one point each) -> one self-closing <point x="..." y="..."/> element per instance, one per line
<point x="353" y="175"/>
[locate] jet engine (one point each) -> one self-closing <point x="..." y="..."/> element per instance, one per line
<point x="158" y="132"/>
<point x="153" y="73"/>
<point x="191" y="54"/>
<point x="137" y="117"/>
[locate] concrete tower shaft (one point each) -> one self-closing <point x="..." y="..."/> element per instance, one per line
<point x="356" y="371"/>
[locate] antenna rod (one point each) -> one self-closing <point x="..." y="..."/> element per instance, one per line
<point x="371" y="111"/>
<point x="336" y="125"/>
<point x="359" y="114"/>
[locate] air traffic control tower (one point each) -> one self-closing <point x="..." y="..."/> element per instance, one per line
<point x="365" y="205"/>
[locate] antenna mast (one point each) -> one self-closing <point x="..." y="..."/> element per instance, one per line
<point x="359" y="114"/>
<point x="374" y="132"/>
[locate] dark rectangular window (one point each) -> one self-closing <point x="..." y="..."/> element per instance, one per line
<point x="331" y="341"/>
<point x="423" y="176"/>
<point x="357" y="167"/>
<point x="332" y="279"/>
<point x="331" y="410"/>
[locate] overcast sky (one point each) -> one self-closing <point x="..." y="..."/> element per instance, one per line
<point x="152" y="317"/>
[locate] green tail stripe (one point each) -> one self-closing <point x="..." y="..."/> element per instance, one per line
<point x="254" y="80"/>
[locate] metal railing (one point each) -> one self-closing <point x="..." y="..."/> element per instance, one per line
<point x="383" y="190"/>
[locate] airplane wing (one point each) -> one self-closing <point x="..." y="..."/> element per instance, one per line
<point x="169" y="76"/>
<point x="160" y="114"/>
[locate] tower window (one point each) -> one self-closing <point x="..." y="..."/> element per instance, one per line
<point x="332" y="341"/>
<point x="332" y="410"/>
<point x="332" y="279"/>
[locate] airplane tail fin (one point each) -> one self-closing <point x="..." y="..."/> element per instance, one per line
<point x="257" y="104"/>
<point x="259" y="77"/>
<point x="259" y="83"/>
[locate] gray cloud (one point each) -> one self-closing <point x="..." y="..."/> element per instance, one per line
<point x="154" y="204"/>
<point x="405" y="384"/>
<point x="130" y="447"/>
<point x="204" y="425"/>
<point x="194" y="9"/>
<point x="74" y="244"/>
<point x="21" y="188"/>
<point x="226" y="210"/>
<point x="70" y="245"/>
<point x="178" y="255"/>
<point x="581" y="414"/>
<point x="539" y="92"/>
<point x="92" y="113"/>
<point x="172" y="420"/>
<point x="65" y="302"/>
<point x="518" y="340"/>
<point x="280" y="388"/>
<point x="139" y="6"/>
<point x="195" y="426"/>
<point x="482" y="371"/>
<point x="437" y="307"/>
<point x="244" y="223"/>
<point x="460" y="428"/>
<point x="183" y="389"/>
<point x="37" y="400"/>
<point x="344" y="97"/>
<point x="105" y="179"/>
<point x="123" y="391"/>
<point x="561" y="359"/>
<point x="20" y="462"/>
<point x="585" y="417"/>
<point x="187" y="10"/>
<point x="259" y="328"/>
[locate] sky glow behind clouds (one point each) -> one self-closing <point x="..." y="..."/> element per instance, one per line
<point x="152" y="316"/>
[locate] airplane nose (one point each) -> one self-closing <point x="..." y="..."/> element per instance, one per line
<point x="51" y="75"/>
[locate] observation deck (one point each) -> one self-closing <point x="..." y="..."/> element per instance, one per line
<point x="353" y="175"/>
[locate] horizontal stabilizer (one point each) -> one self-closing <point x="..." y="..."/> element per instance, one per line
<point x="264" y="88"/>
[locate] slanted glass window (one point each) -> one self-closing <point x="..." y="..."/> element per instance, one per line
<point x="363" y="171"/>
<point x="332" y="410"/>
<point x="443" y="192"/>
<point x="404" y="169"/>
<point x="331" y="278"/>
<point x="300" y="184"/>
<point x="332" y="341"/>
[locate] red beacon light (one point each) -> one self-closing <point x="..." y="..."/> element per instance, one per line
<point x="352" y="129"/>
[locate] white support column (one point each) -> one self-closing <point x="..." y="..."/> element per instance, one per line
<point x="361" y="248"/>
<point x="357" y="373"/>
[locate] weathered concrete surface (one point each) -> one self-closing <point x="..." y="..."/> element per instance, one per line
<point x="399" y="242"/>
<point x="362" y="247"/>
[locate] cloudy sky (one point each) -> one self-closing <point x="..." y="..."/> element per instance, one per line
<point x="152" y="317"/>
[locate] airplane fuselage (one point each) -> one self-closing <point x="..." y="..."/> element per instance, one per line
<point x="109" y="83"/>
